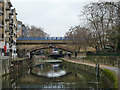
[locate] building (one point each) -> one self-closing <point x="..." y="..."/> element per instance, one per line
<point x="8" y="22"/>
<point x="22" y="30"/>
<point x="8" y="29"/>
<point x="19" y="32"/>
<point x="13" y="34"/>
<point x="2" y="27"/>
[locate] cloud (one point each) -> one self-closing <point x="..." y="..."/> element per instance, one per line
<point x="54" y="16"/>
<point x="60" y="1"/>
<point x="53" y="1"/>
<point x="55" y="19"/>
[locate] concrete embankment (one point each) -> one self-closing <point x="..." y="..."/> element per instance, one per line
<point x="106" y="75"/>
<point x="4" y="65"/>
<point x="8" y="65"/>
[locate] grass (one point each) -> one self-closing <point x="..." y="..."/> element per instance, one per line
<point x="112" y="77"/>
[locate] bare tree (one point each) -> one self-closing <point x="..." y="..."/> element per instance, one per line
<point x="34" y="31"/>
<point x="78" y="36"/>
<point x="101" y="19"/>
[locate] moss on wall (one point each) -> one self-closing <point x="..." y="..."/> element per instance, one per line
<point x="111" y="76"/>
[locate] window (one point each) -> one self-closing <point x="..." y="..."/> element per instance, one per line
<point x="19" y="26"/>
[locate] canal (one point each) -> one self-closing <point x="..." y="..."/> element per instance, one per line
<point x="51" y="75"/>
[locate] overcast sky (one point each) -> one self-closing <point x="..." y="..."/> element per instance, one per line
<point x="54" y="16"/>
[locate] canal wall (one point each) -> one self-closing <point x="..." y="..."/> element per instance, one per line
<point x="5" y="65"/>
<point x="17" y="68"/>
<point x="110" y="81"/>
<point x="75" y="67"/>
<point x="19" y="64"/>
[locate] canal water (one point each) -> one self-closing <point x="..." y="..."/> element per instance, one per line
<point x="51" y="75"/>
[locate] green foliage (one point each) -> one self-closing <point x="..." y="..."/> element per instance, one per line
<point x="111" y="77"/>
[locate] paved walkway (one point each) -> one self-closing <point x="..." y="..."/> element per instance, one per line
<point x="114" y="69"/>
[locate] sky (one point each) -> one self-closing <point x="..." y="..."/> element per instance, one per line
<point x="55" y="17"/>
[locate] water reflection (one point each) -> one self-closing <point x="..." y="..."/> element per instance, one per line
<point x="49" y="70"/>
<point x="56" y="74"/>
<point x="51" y="75"/>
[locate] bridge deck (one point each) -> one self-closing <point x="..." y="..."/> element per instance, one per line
<point x="44" y="42"/>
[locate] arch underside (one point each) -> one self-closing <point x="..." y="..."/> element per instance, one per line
<point x="65" y="48"/>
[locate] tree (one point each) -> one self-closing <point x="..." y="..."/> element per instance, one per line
<point x="118" y="45"/>
<point x="78" y="36"/>
<point x="101" y="18"/>
<point x="34" y="31"/>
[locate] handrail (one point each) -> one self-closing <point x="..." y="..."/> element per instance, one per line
<point x="42" y="38"/>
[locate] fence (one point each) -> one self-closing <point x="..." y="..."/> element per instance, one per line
<point x="107" y="60"/>
<point x="102" y="54"/>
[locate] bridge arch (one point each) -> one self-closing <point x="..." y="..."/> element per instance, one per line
<point x="50" y="46"/>
<point x="53" y="46"/>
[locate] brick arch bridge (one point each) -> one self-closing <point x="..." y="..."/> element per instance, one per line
<point x="65" y="48"/>
<point x="33" y="44"/>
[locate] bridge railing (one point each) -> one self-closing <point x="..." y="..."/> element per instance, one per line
<point x="42" y="38"/>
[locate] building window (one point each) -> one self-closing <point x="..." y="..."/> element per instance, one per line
<point x="19" y="26"/>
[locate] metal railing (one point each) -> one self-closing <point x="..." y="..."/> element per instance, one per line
<point x="42" y="38"/>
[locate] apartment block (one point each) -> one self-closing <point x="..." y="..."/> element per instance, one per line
<point x="19" y="32"/>
<point x="8" y="7"/>
<point x="8" y="29"/>
<point x="22" y="30"/>
<point x="13" y="33"/>
<point x="2" y="27"/>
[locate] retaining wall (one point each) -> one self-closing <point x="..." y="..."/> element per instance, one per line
<point x="4" y="61"/>
<point x="75" y="67"/>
